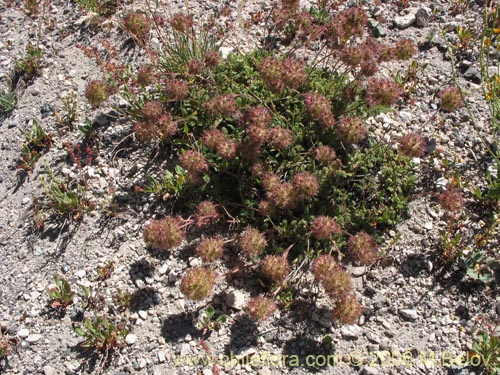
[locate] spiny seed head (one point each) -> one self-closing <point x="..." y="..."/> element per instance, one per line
<point x="323" y="266"/>
<point x="337" y="284"/>
<point x="382" y="92"/>
<point x="368" y="67"/>
<point x="97" y="92"/>
<point x="452" y="199"/>
<point x="252" y="242"/>
<point x="206" y="213"/>
<point x="352" y="55"/>
<point x="193" y="161"/>
<point x="324" y="155"/>
<point x="270" y="180"/>
<point x="194" y="66"/>
<point x="210" y="249"/>
<point x="280" y="138"/>
<point x="353" y="21"/>
<point x="224" y="105"/>
<point x="152" y="110"/>
<point x="212" y="59"/>
<point x="145" y="75"/>
<point x="260" y="117"/>
<point x="274" y="268"/>
<point x="177" y="89"/>
<point x="413" y="145"/>
<point x="163" y="128"/>
<point x="293" y="73"/>
<point x="266" y="208"/>
<point x="165" y="233"/>
<point x="351" y="130"/>
<point x="270" y="70"/>
<point x="181" y="22"/>
<point x="404" y="49"/>
<point x="257" y="134"/>
<point x="386" y="53"/>
<point x="318" y="108"/>
<point x="137" y="24"/>
<point x="306" y="185"/>
<point x="198" y="283"/>
<point x="227" y="149"/>
<point x="283" y="195"/>
<point x="144" y="131"/>
<point x="450" y="98"/>
<point x="363" y="248"/>
<point x="347" y="310"/>
<point x="324" y="227"/>
<point x="260" y="308"/>
<point x="211" y="138"/>
<point x="166" y="127"/>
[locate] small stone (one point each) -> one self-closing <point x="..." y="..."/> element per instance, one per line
<point x="131" y="339"/>
<point x="473" y="74"/>
<point x="172" y="277"/>
<point x="142" y="363"/>
<point x="101" y="119"/>
<point x="428" y="225"/>
<point x="264" y="371"/>
<point x="46" y="110"/>
<point x="207" y="371"/>
<point x="35" y="337"/>
<point x="422" y="17"/>
<point x="161" y="356"/>
<point x="367" y="370"/>
<point x="451" y="26"/>
<point x="225" y="51"/>
<point x="143" y="314"/>
<point x="235" y="300"/>
<point x="13" y="122"/>
<point x="405" y="21"/>
<point x="26" y="200"/>
<point x="185" y="349"/>
<point x="350" y="332"/>
<point x="80" y="274"/>
<point x="47" y="370"/>
<point x="408" y="314"/>
<point x="23" y="333"/>
<point x="195" y="262"/>
<point x="441" y="184"/>
<point x="163" y="269"/>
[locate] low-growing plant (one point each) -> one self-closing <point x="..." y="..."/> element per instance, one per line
<point x="8" y="101"/>
<point x="64" y="198"/>
<point x="61" y="294"/>
<point x="123" y="299"/>
<point x="487" y="347"/>
<point x="104" y="272"/>
<point x="69" y="114"/>
<point x="278" y="151"/>
<point x="186" y="50"/>
<point x="35" y="143"/>
<point x="169" y="186"/>
<point x="28" y="67"/>
<point x="7" y="345"/>
<point x="102" y="335"/>
<point x="104" y="8"/>
<point x="209" y="320"/>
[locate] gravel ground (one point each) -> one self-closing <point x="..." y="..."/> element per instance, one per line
<point x="413" y="309"/>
